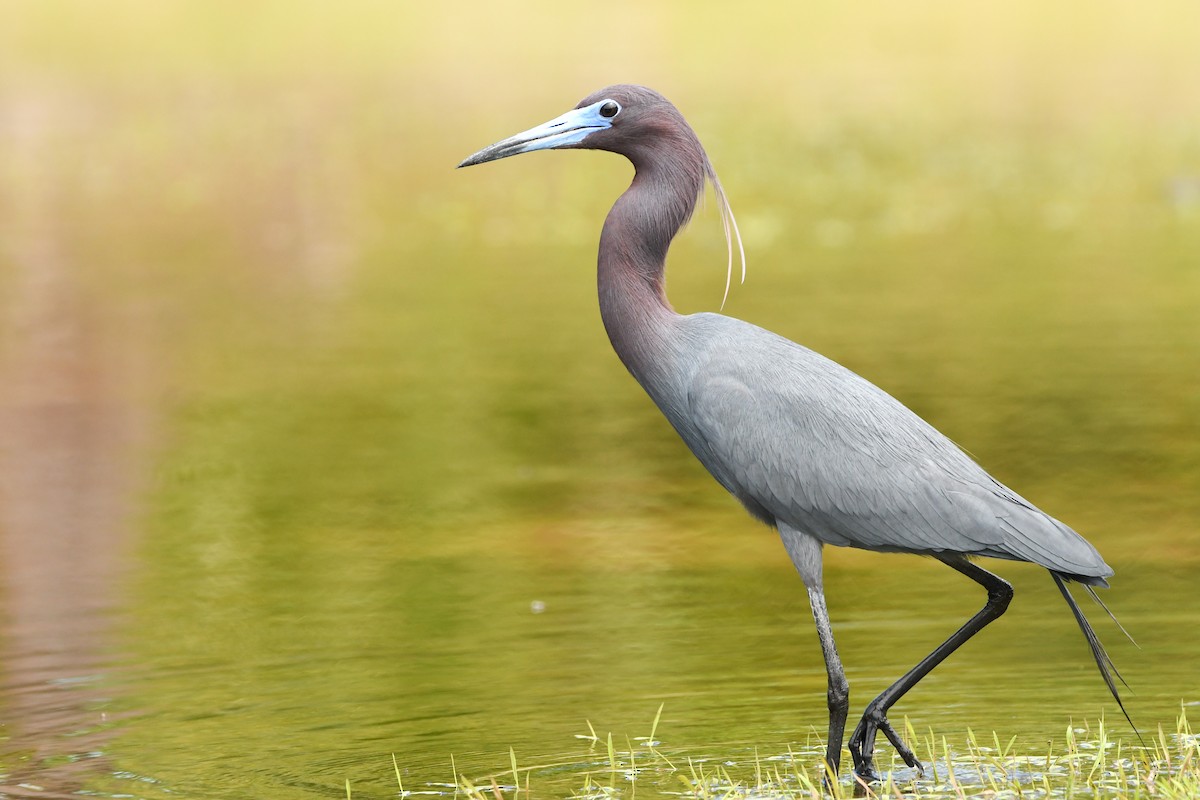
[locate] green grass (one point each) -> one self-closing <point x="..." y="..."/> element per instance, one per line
<point x="1086" y="762"/>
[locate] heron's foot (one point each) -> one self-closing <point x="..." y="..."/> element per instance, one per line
<point x="862" y="746"/>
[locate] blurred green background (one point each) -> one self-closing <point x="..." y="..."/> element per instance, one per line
<point x="298" y="425"/>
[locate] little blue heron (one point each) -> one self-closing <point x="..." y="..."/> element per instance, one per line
<point x="807" y="446"/>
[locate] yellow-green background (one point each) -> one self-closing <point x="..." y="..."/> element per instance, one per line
<point x="368" y="414"/>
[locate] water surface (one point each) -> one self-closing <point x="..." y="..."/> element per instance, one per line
<point x="314" y="451"/>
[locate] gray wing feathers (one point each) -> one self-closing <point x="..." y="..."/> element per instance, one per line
<point x="801" y="438"/>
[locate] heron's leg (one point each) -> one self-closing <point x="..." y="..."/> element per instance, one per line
<point x="805" y="552"/>
<point x="862" y="741"/>
<point x="838" y="695"/>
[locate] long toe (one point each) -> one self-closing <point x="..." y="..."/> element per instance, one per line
<point x="864" y="767"/>
<point x="862" y="749"/>
<point x="904" y="751"/>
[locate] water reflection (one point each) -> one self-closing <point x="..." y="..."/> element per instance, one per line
<point x="73" y="433"/>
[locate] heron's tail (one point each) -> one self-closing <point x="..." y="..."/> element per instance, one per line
<point x="1103" y="662"/>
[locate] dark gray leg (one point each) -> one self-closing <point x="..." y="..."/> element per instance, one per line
<point x="805" y="552"/>
<point x="839" y="688"/>
<point x="862" y="741"/>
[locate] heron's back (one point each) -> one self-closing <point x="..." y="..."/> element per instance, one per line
<point x="799" y="439"/>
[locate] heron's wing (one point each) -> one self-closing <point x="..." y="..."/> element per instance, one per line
<point x="813" y="444"/>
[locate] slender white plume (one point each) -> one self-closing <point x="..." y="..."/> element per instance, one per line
<point x="731" y="231"/>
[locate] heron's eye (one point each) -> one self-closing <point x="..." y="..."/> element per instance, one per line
<point x="609" y="109"/>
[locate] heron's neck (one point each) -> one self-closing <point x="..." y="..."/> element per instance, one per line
<point x="632" y="265"/>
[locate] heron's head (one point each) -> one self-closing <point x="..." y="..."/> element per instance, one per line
<point x="643" y="126"/>
<point x="623" y="119"/>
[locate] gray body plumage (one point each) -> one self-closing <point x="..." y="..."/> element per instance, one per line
<point x="805" y="444"/>
<point x="801" y="440"/>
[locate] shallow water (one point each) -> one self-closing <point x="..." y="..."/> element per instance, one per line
<point x="313" y="451"/>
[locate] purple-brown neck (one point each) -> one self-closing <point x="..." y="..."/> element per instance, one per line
<point x="670" y="171"/>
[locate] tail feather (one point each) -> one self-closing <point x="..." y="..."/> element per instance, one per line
<point x="1103" y="662"/>
<point x="1092" y="591"/>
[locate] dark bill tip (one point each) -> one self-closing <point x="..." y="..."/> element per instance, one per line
<point x="471" y="161"/>
<point x="493" y="152"/>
